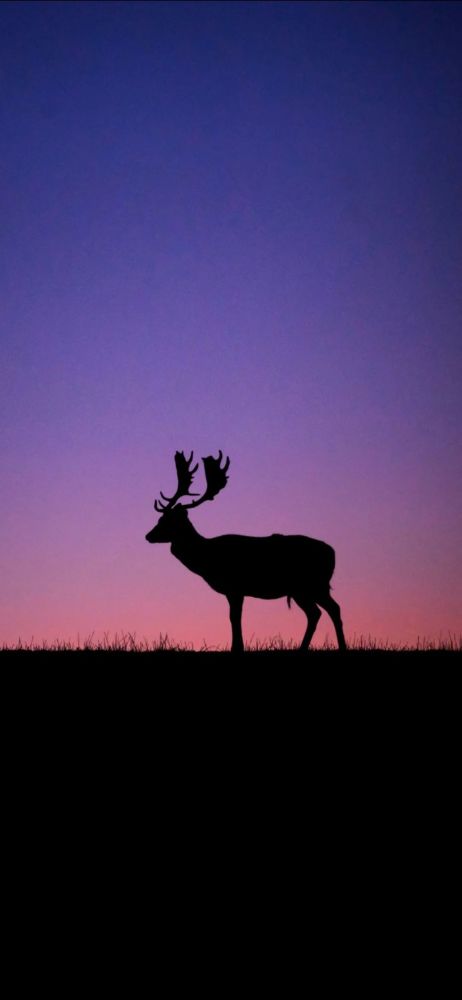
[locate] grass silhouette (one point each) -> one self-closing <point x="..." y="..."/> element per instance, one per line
<point x="361" y="649"/>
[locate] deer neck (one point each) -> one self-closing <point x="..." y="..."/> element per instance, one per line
<point x="188" y="547"/>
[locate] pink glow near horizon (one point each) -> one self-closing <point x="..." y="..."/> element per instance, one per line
<point x="230" y="227"/>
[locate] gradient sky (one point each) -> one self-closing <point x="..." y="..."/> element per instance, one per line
<point x="236" y="226"/>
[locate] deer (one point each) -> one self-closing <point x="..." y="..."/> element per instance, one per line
<point x="238" y="566"/>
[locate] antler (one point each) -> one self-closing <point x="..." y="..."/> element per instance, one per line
<point x="216" y="478"/>
<point x="185" y="477"/>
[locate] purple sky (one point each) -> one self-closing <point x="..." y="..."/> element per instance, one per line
<point x="236" y="226"/>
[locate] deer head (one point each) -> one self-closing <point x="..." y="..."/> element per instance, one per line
<point x="173" y="514"/>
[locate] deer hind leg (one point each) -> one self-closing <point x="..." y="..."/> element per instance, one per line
<point x="333" y="610"/>
<point x="235" y="615"/>
<point x="313" y="615"/>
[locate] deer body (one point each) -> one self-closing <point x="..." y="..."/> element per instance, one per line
<point x="239" y="566"/>
<point x="265" y="567"/>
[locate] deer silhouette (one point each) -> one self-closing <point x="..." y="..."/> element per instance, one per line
<point x="239" y="566"/>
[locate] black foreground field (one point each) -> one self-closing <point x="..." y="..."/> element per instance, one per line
<point x="129" y="676"/>
<point x="156" y="732"/>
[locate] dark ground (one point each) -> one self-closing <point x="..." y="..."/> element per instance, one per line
<point x="307" y="805"/>
<point x="154" y="711"/>
<point x="235" y="765"/>
<point x="153" y="691"/>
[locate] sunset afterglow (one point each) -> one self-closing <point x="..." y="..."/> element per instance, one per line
<point x="230" y="226"/>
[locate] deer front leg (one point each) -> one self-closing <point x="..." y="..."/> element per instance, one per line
<point x="235" y="615"/>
